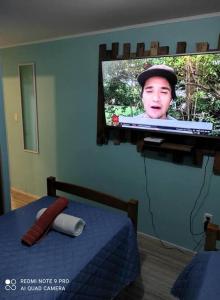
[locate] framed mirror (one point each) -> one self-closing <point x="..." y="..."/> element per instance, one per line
<point x="29" y="107"/>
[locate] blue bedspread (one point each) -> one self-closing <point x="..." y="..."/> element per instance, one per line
<point x="95" y="265"/>
<point x="200" y="280"/>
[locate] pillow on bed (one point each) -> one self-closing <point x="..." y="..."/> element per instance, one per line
<point x="66" y="223"/>
<point x="43" y="224"/>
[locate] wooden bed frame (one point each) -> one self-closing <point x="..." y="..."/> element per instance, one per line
<point x="212" y="236"/>
<point x="131" y="207"/>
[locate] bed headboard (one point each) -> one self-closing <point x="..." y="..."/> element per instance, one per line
<point x="212" y="236"/>
<point x="131" y="206"/>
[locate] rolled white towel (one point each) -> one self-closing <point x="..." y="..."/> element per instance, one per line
<point x="66" y="223"/>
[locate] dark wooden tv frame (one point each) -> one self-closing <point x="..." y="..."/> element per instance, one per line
<point x="131" y="206"/>
<point x="177" y="144"/>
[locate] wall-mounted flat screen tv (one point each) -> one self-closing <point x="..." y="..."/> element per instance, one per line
<point x="154" y="101"/>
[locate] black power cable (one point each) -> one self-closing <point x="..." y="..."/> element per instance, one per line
<point x="152" y="215"/>
<point x="203" y="201"/>
<point x="191" y="217"/>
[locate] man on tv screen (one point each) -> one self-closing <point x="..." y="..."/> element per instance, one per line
<point x="193" y="87"/>
<point x="158" y="90"/>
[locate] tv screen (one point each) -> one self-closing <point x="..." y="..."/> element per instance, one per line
<point x="179" y="93"/>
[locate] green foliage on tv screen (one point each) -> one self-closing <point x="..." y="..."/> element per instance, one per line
<point x="198" y="87"/>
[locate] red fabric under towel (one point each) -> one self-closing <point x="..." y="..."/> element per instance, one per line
<point x="42" y="225"/>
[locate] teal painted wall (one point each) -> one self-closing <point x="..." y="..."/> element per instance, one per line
<point x="4" y="152"/>
<point x="66" y="83"/>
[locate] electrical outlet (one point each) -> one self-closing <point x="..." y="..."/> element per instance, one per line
<point x="207" y="215"/>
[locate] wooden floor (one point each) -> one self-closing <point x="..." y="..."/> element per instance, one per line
<point x="159" y="269"/>
<point x="159" y="266"/>
<point x="19" y="198"/>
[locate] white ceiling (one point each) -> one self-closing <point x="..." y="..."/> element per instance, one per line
<point x="25" y="21"/>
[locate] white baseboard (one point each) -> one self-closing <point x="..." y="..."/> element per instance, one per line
<point x="172" y="245"/>
<point x="23" y="194"/>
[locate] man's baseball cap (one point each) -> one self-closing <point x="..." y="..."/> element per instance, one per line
<point x="161" y="71"/>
